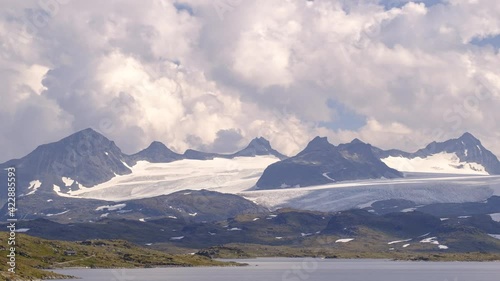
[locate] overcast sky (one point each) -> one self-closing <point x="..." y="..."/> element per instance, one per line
<point x="213" y="74"/>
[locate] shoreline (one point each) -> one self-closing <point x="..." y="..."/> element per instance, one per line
<point x="247" y="262"/>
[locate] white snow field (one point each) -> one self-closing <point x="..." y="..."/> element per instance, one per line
<point x="111" y="208"/>
<point x="419" y="188"/>
<point x="154" y="179"/>
<point x="346" y="240"/>
<point x="398" y="241"/>
<point x="436" y="163"/>
<point x="67" y="181"/>
<point x="239" y="175"/>
<point x="495" y="217"/>
<point x="34" y="185"/>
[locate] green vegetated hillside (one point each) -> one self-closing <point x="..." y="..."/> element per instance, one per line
<point x="34" y="256"/>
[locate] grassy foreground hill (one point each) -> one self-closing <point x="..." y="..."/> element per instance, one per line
<point x="35" y="255"/>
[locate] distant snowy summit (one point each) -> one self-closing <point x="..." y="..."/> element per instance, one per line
<point x="86" y="157"/>
<point x="322" y="163"/>
<point x="464" y="155"/>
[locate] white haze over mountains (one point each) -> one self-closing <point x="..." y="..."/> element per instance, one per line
<point x="213" y="74"/>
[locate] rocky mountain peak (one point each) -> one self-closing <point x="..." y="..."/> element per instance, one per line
<point x="157" y="152"/>
<point x="318" y="143"/>
<point x="259" y="142"/>
<point x="259" y="146"/>
<point x="357" y="141"/>
<point x="468" y="138"/>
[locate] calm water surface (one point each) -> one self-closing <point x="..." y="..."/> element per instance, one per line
<point x="292" y="269"/>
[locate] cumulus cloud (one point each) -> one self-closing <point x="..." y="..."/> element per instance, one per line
<point x="213" y="74"/>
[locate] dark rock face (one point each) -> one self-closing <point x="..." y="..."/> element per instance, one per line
<point x="196" y="205"/>
<point x="405" y="224"/>
<point x="86" y="156"/>
<point x="186" y="205"/>
<point x="467" y="147"/>
<point x="369" y="165"/>
<point x="381" y="154"/>
<point x="318" y="144"/>
<point x="157" y="152"/>
<point x="200" y="155"/>
<point x="321" y="162"/>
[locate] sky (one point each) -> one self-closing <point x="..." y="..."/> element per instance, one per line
<point x="214" y="74"/>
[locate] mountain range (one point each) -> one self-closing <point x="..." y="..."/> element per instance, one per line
<point x="354" y="194"/>
<point x="88" y="165"/>
<point x="87" y="158"/>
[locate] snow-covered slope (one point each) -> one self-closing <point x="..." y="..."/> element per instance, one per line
<point x="437" y="163"/>
<point x="464" y="155"/>
<point x="237" y="176"/>
<point x="153" y="179"/>
<point x="419" y="188"/>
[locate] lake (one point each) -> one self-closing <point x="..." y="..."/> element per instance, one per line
<point x="298" y="269"/>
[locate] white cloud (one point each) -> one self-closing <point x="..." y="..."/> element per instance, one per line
<point x="201" y="76"/>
